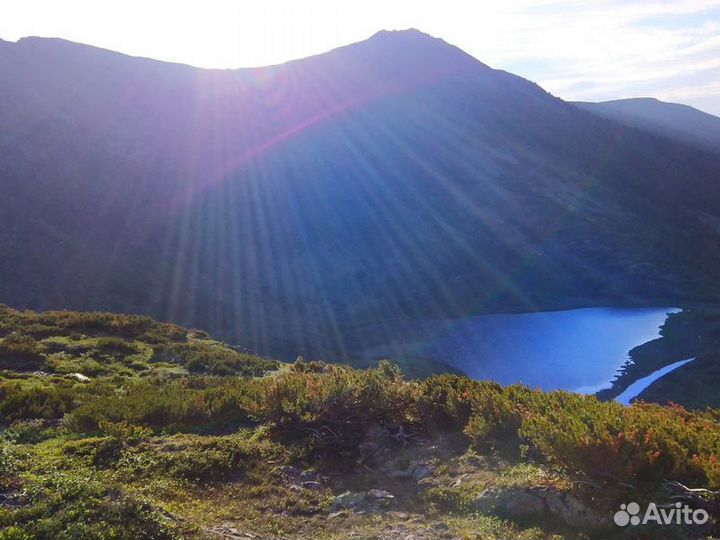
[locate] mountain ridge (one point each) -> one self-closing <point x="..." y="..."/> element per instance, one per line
<point x="410" y="36"/>
<point x="680" y="122"/>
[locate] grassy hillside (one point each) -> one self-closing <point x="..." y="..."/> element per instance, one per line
<point x="119" y="427"/>
<point x="104" y="344"/>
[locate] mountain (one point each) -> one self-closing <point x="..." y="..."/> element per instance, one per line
<point x="299" y="207"/>
<point x="672" y="120"/>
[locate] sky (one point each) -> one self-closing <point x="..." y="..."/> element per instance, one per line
<point x="590" y="50"/>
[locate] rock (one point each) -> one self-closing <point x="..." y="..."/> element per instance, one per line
<point x="347" y="500"/>
<point x="526" y="503"/>
<point x="289" y="470"/>
<point x="228" y="533"/>
<point x="403" y="473"/>
<point x="379" y="495"/>
<point x="368" y="450"/>
<point x="420" y="472"/>
<point x="338" y="514"/>
<point x="460" y="480"/>
<point x="439" y="526"/>
<point x="427" y="483"/>
<point x="408" y="471"/>
<point x="308" y="475"/>
<point x="79" y="377"/>
<point x="521" y="504"/>
<point x="312" y="484"/>
<point x="571" y="510"/>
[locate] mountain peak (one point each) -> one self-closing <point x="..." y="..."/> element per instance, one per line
<point x="412" y="38"/>
<point x="411" y="50"/>
<point x="407" y="33"/>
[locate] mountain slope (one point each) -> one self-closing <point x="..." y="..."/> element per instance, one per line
<point x="287" y="207"/>
<point x="680" y="122"/>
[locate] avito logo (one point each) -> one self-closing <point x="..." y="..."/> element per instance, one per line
<point x="679" y="514"/>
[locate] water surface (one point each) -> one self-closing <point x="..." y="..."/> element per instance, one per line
<point x="579" y="350"/>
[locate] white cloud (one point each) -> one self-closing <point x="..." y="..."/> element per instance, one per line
<point x="611" y="49"/>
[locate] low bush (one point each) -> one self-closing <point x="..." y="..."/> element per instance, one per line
<point x="19" y="352"/>
<point x="28" y="432"/>
<point x="8" y="462"/>
<point x="214" y="358"/>
<point x="458" y="499"/>
<point x="68" y="507"/>
<point x="334" y="411"/>
<point x="337" y="407"/>
<point x="34" y="399"/>
<point x="639" y="444"/>
<point x="205" y="459"/>
<point x="169" y="405"/>
<point x="313" y="366"/>
<point x="328" y="408"/>
<point x="39" y="325"/>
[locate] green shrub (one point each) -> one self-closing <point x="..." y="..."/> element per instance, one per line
<point x="28" y="432"/>
<point x="480" y="409"/>
<point x="203" y="459"/>
<point x="97" y="323"/>
<point x="116" y="346"/>
<point x="445" y="402"/>
<point x="165" y="332"/>
<point x="643" y="443"/>
<point x="69" y="507"/>
<point x="204" y="404"/>
<point x="8" y="462"/>
<point x="459" y="499"/>
<point x="324" y="407"/>
<point x="27" y="400"/>
<point x="314" y="366"/>
<point x="337" y="407"/>
<point x="20" y="352"/>
<point x="214" y="358"/>
<point x="74" y="323"/>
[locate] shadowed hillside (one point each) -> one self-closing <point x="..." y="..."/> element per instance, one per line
<point x="286" y="207"/>
<point x="672" y="120"/>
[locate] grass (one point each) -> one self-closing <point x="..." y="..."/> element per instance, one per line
<point x="176" y="435"/>
<point x="106" y="344"/>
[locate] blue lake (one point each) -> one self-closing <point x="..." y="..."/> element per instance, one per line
<point x="579" y="350"/>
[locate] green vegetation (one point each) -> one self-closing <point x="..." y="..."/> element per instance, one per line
<point x="105" y="344"/>
<point x="175" y="435"/>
